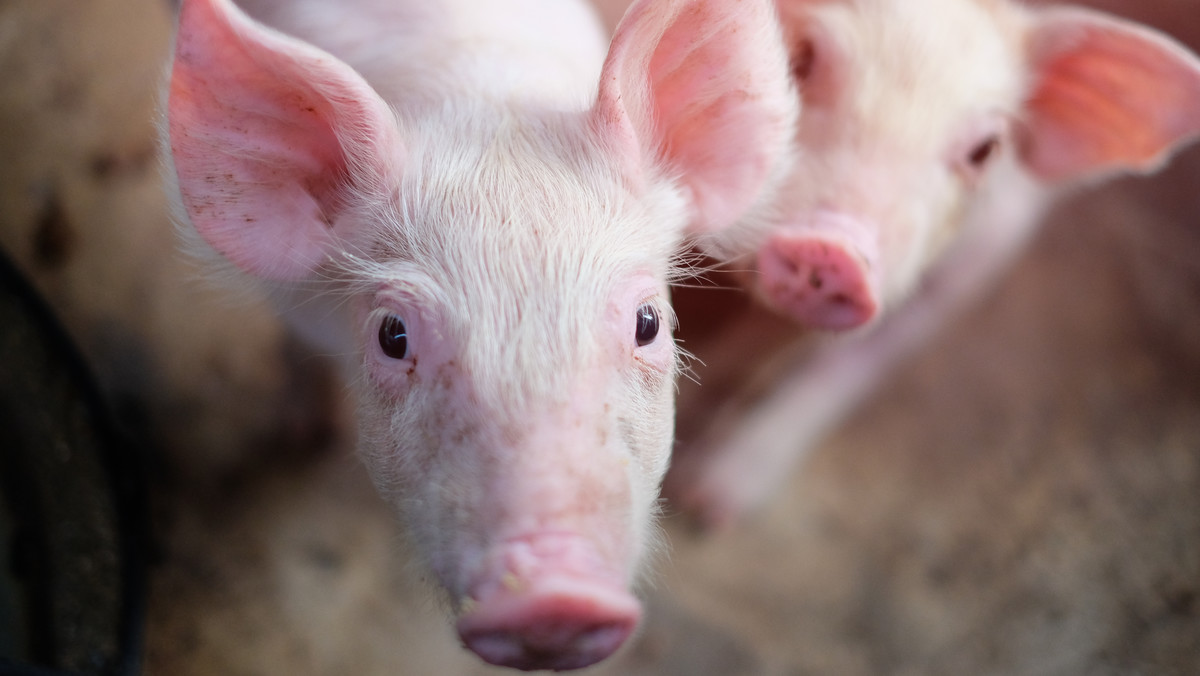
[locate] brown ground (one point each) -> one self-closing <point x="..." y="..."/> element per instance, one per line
<point x="1022" y="498"/>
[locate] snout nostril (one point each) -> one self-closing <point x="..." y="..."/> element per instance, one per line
<point x="558" y="645"/>
<point x="815" y="280"/>
<point x="557" y="623"/>
<point x="554" y="642"/>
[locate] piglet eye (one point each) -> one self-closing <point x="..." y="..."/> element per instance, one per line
<point x="804" y="60"/>
<point x="647" y="324"/>
<point x="981" y="153"/>
<point x="393" y="337"/>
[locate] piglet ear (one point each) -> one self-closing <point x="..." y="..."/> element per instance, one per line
<point x="1107" y="95"/>
<point x="703" y="86"/>
<point x="270" y="139"/>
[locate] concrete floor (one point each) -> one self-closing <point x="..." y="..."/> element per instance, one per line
<point x="1023" y="497"/>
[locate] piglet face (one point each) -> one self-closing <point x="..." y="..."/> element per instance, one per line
<point x="509" y="332"/>
<point x="911" y="108"/>
<point x="905" y="109"/>
<point x="517" y="389"/>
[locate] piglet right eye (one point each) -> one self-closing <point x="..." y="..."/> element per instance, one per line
<point x="393" y="337"/>
<point x="804" y="60"/>
<point x="647" y="324"/>
<point x="982" y="152"/>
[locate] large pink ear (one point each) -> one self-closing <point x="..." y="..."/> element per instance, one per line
<point x="270" y="137"/>
<point x="705" y="87"/>
<point x="1107" y="94"/>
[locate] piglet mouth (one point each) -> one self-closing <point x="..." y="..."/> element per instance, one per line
<point x="545" y="603"/>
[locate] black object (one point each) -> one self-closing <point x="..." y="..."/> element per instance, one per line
<point x="73" y="511"/>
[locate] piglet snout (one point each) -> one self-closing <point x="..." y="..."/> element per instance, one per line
<point x="541" y="610"/>
<point x="555" y="624"/>
<point x="820" y="276"/>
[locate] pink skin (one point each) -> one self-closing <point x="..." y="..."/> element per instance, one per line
<point x="483" y="211"/>
<point x="938" y="128"/>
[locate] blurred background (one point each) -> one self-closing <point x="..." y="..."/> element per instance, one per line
<point x="1021" y="497"/>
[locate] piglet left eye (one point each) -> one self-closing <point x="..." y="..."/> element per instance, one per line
<point x="647" y="324"/>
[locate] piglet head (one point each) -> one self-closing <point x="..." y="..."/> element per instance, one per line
<point x="913" y="108"/>
<point x="506" y="269"/>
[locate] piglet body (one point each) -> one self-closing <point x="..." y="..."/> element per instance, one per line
<point x="934" y="132"/>
<point x="484" y="205"/>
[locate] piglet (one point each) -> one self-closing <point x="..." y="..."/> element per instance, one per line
<point x="483" y="209"/>
<point x="933" y="134"/>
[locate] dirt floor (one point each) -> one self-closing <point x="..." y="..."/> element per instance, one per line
<point x="1023" y="497"/>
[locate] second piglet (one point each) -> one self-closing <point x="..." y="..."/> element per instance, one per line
<point x="484" y="208"/>
<point x="910" y="109"/>
<point x="933" y="133"/>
